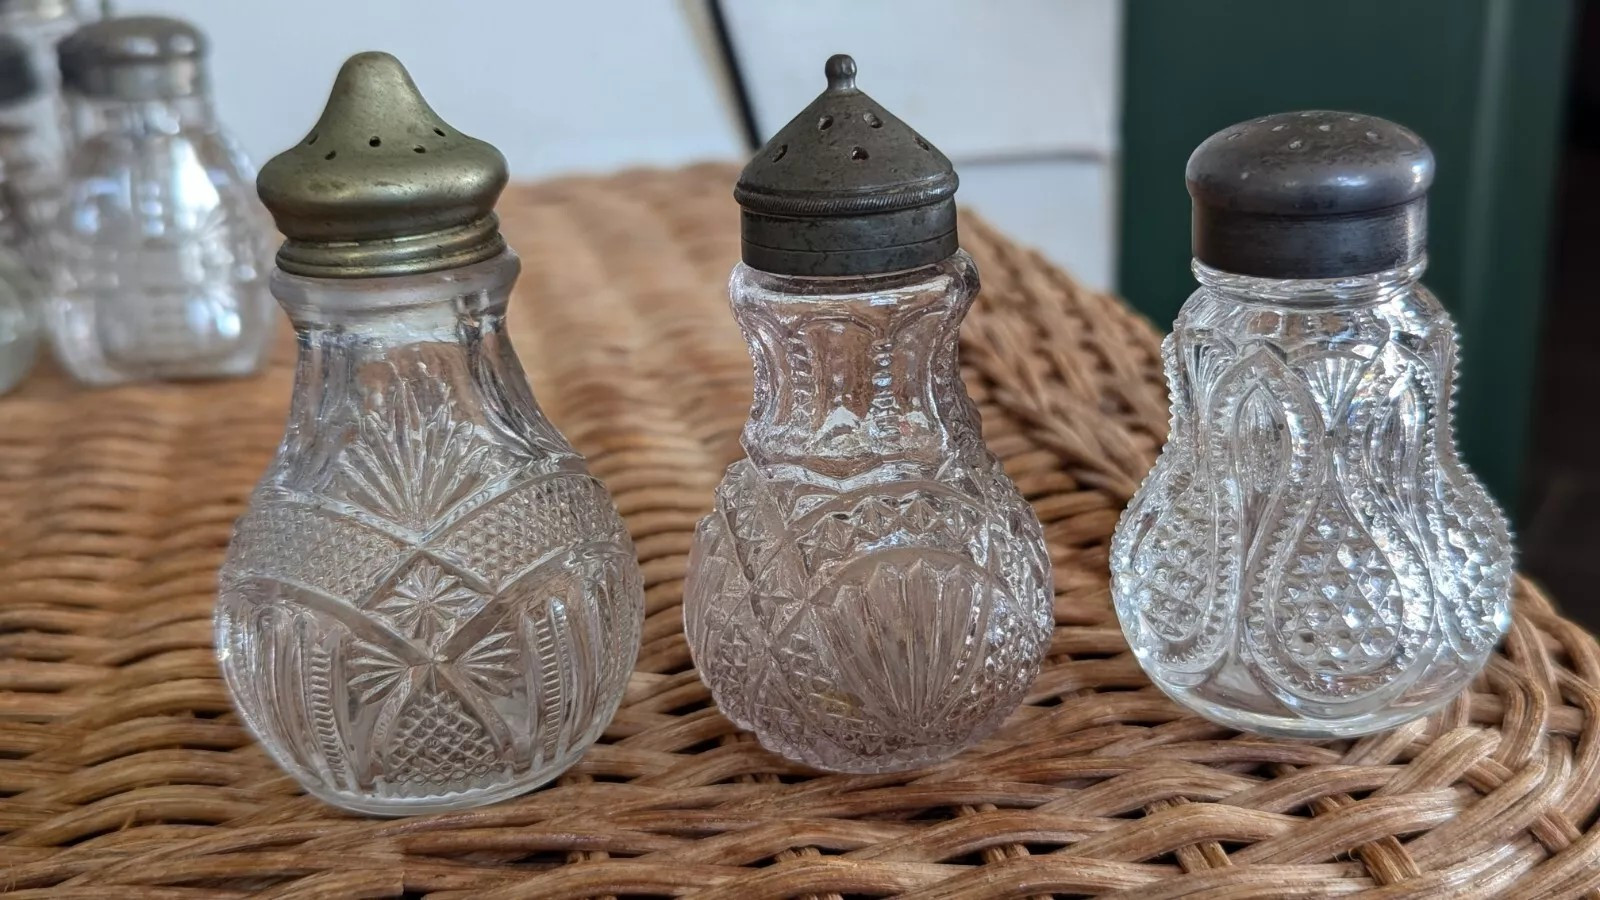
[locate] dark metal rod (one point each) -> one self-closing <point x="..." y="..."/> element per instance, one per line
<point x="730" y="62"/>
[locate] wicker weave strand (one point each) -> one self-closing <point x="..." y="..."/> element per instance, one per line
<point x="123" y="773"/>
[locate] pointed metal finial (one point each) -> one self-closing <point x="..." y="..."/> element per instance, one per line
<point x="382" y="185"/>
<point x="846" y="188"/>
<point x="841" y="72"/>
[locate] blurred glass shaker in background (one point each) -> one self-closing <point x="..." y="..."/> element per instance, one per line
<point x="19" y="295"/>
<point x="35" y="138"/>
<point x="1309" y="557"/>
<point x="161" y="248"/>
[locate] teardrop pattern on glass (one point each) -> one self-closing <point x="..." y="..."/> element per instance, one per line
<point x="1461" y="519"/>
<point x="1171" y="607"/>
<point x="1334" y="625"/>
<point x="1357" y="558"/>
<point x="1310" y="501"/>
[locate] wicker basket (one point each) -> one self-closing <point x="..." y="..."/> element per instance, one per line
<point x="124" y="774"/>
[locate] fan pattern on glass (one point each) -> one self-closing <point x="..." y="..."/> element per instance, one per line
<point x="870" y="630"/>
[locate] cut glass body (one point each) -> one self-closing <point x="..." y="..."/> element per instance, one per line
<point x="1309" y="556"/>
<point x="870" y="593"/>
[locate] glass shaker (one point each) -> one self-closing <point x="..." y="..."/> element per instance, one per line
<point x="162" y="249"/>
<point x="35" y="139"/>
<point x="870" y="592"/>
<point x="19" y="294"/>
<point x="1309" y="557"/>
<point x="430" y="603"/>
<point x="19" y="323"/>
<point x="18" y="86"/>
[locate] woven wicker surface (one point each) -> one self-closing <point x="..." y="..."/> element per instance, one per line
<point x="123" y="772"/>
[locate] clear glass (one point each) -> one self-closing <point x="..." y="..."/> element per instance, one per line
<point x="19" y="324"/>
<point x="430" y="603"/>
<point x="870" y="593"/>
<point x="37" y="140"/>
<point x="162" y="251"/>
<point x="1309" y="557"/>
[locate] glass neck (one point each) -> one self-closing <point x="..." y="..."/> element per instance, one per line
<point x="433" y="346"/>
<point x="856" y="373"/>
<point x="448" y="305"/>
<point x="1313" y="293"/>
<point x="168" y="116"/>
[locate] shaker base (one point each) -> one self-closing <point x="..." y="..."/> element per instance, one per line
<point x="906" y="760"/>
<point x="398" y="807"/>
<point x="1286" y="726"/>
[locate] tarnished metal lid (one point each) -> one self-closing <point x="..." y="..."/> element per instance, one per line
<point x="381" y="185"/>
<point x="1314" y="194"/>
<point x="35" y="9"/>
<point x="134" y="58"/>
<point x="846" y="189"/>
<point x="18" y="80"/>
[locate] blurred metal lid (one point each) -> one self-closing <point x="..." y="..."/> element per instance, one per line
<point x="846" y="188"/>
<point x="36" y="9"/>
<point x="1315" y="194"/>
<point x="18" y="80"/>
<point x="134" y="58"/>
<point x="381" y="185"/>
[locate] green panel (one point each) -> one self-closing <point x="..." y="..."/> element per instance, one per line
<point x="1480" y="80"/>
<point x="1501" y="287"/>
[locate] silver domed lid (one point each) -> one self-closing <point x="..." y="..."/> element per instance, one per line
<point x="846" y="188"/>
<point x="1314" y="194"/>
<point x="134" y="58"/>
<point x="382" y="185"/>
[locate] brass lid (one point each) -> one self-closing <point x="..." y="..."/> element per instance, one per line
<point x="134" y="58"/>
<point x="846" y="188"/>
<point x="381" y="185"/>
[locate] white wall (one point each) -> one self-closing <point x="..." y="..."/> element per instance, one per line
<point x="1022" y="94"/>
<point x="558" y="87"/>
